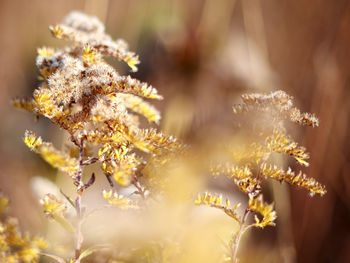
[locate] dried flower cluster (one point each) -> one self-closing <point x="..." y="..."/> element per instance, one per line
<point x="85" y="96"/>
<point x="252" y="164"/>
<point x="100" y="110"/>
<point x="15" y="246"/>
<point x="277" y="104"/>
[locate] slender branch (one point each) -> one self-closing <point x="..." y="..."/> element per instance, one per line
<point x="257" y="189"/>
<point x="259" y="170"/>
<point x="109" y="178"/>
<point x="139" y="188"/>
<point x="243" y="226"/>
<point x="242" y="229"/>
<point x="80" y="189"/>
<point x="90" y="182"/>
<point x="91" y="160"/>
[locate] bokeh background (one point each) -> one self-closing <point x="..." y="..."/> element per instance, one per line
<point x="201" y="55"/>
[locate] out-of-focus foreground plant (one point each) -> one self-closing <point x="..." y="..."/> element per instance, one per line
<point x="16" y="246"/>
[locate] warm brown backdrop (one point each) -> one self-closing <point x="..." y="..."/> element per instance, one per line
<point x="201" y="54"/>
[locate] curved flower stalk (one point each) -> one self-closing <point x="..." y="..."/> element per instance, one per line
<point x="253" y="163"/>
<point x="100" y="110"/>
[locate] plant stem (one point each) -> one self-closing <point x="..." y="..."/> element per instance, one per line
<point x="78" y="234"/>
<point x="242" y="229"/>
<point x="80" y="188"/>
<point x="138" y="186"/>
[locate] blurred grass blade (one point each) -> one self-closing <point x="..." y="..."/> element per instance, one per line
<point x="67" y="198"/>
<point x="64" y="223"/>
<point x="91" y="250"/>
<point x="56" y="258"/>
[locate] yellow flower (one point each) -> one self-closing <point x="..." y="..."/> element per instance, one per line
<point x="53" y="206"/>
<point x="120" y="201"/>
<point x="257" y="205"/>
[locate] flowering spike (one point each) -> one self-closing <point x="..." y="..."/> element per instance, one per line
<point x="216" y="201"/>
<point x="83" y="29"/>
<point x="281" y="143"/>
<point x="118" y="200"/>
<point x="141" y="107"/>
<point x="297" y="180"/>
<point x="276" y="103"/>
<point x="231" y="171"/>
<point x="47" y="151"/>
<point x="24" y="104"/>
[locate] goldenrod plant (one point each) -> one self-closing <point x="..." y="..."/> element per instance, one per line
<point x="253" y="163"/>
<point x="99" y="108"/>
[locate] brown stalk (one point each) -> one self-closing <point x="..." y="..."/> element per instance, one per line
<point x="80" y="189"/>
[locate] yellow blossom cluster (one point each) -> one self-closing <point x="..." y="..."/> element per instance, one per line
<point x="281" y="143"/>
<point x="248" y="164"/>
<point x="50" y="154"/>
<point x="231" y="171"/>
<point x="217" y="202"/>
<point x="55" y="209"/>
<point x="257" y="205"/>
<point x="255" y="155"/>
<point x="290" y="177"/>
<point x="96" y="105"/>
<point x="277" y="104"/>
<point x="242" y="177"/>
<point x="118" y="200"/>
<point x="53" y="206"/>
<point x="15" y="246"/>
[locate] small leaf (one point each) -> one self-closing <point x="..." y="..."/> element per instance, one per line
<point x="91" y="250"/>
<point x="109" y="178"/>
<point x="68" y="198"/>
<point x="64" y="223"/>
<point x="56" y="258"/>
<point x="90" y="182"/>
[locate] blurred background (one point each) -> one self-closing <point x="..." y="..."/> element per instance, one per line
<point x="202" y="55"/>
